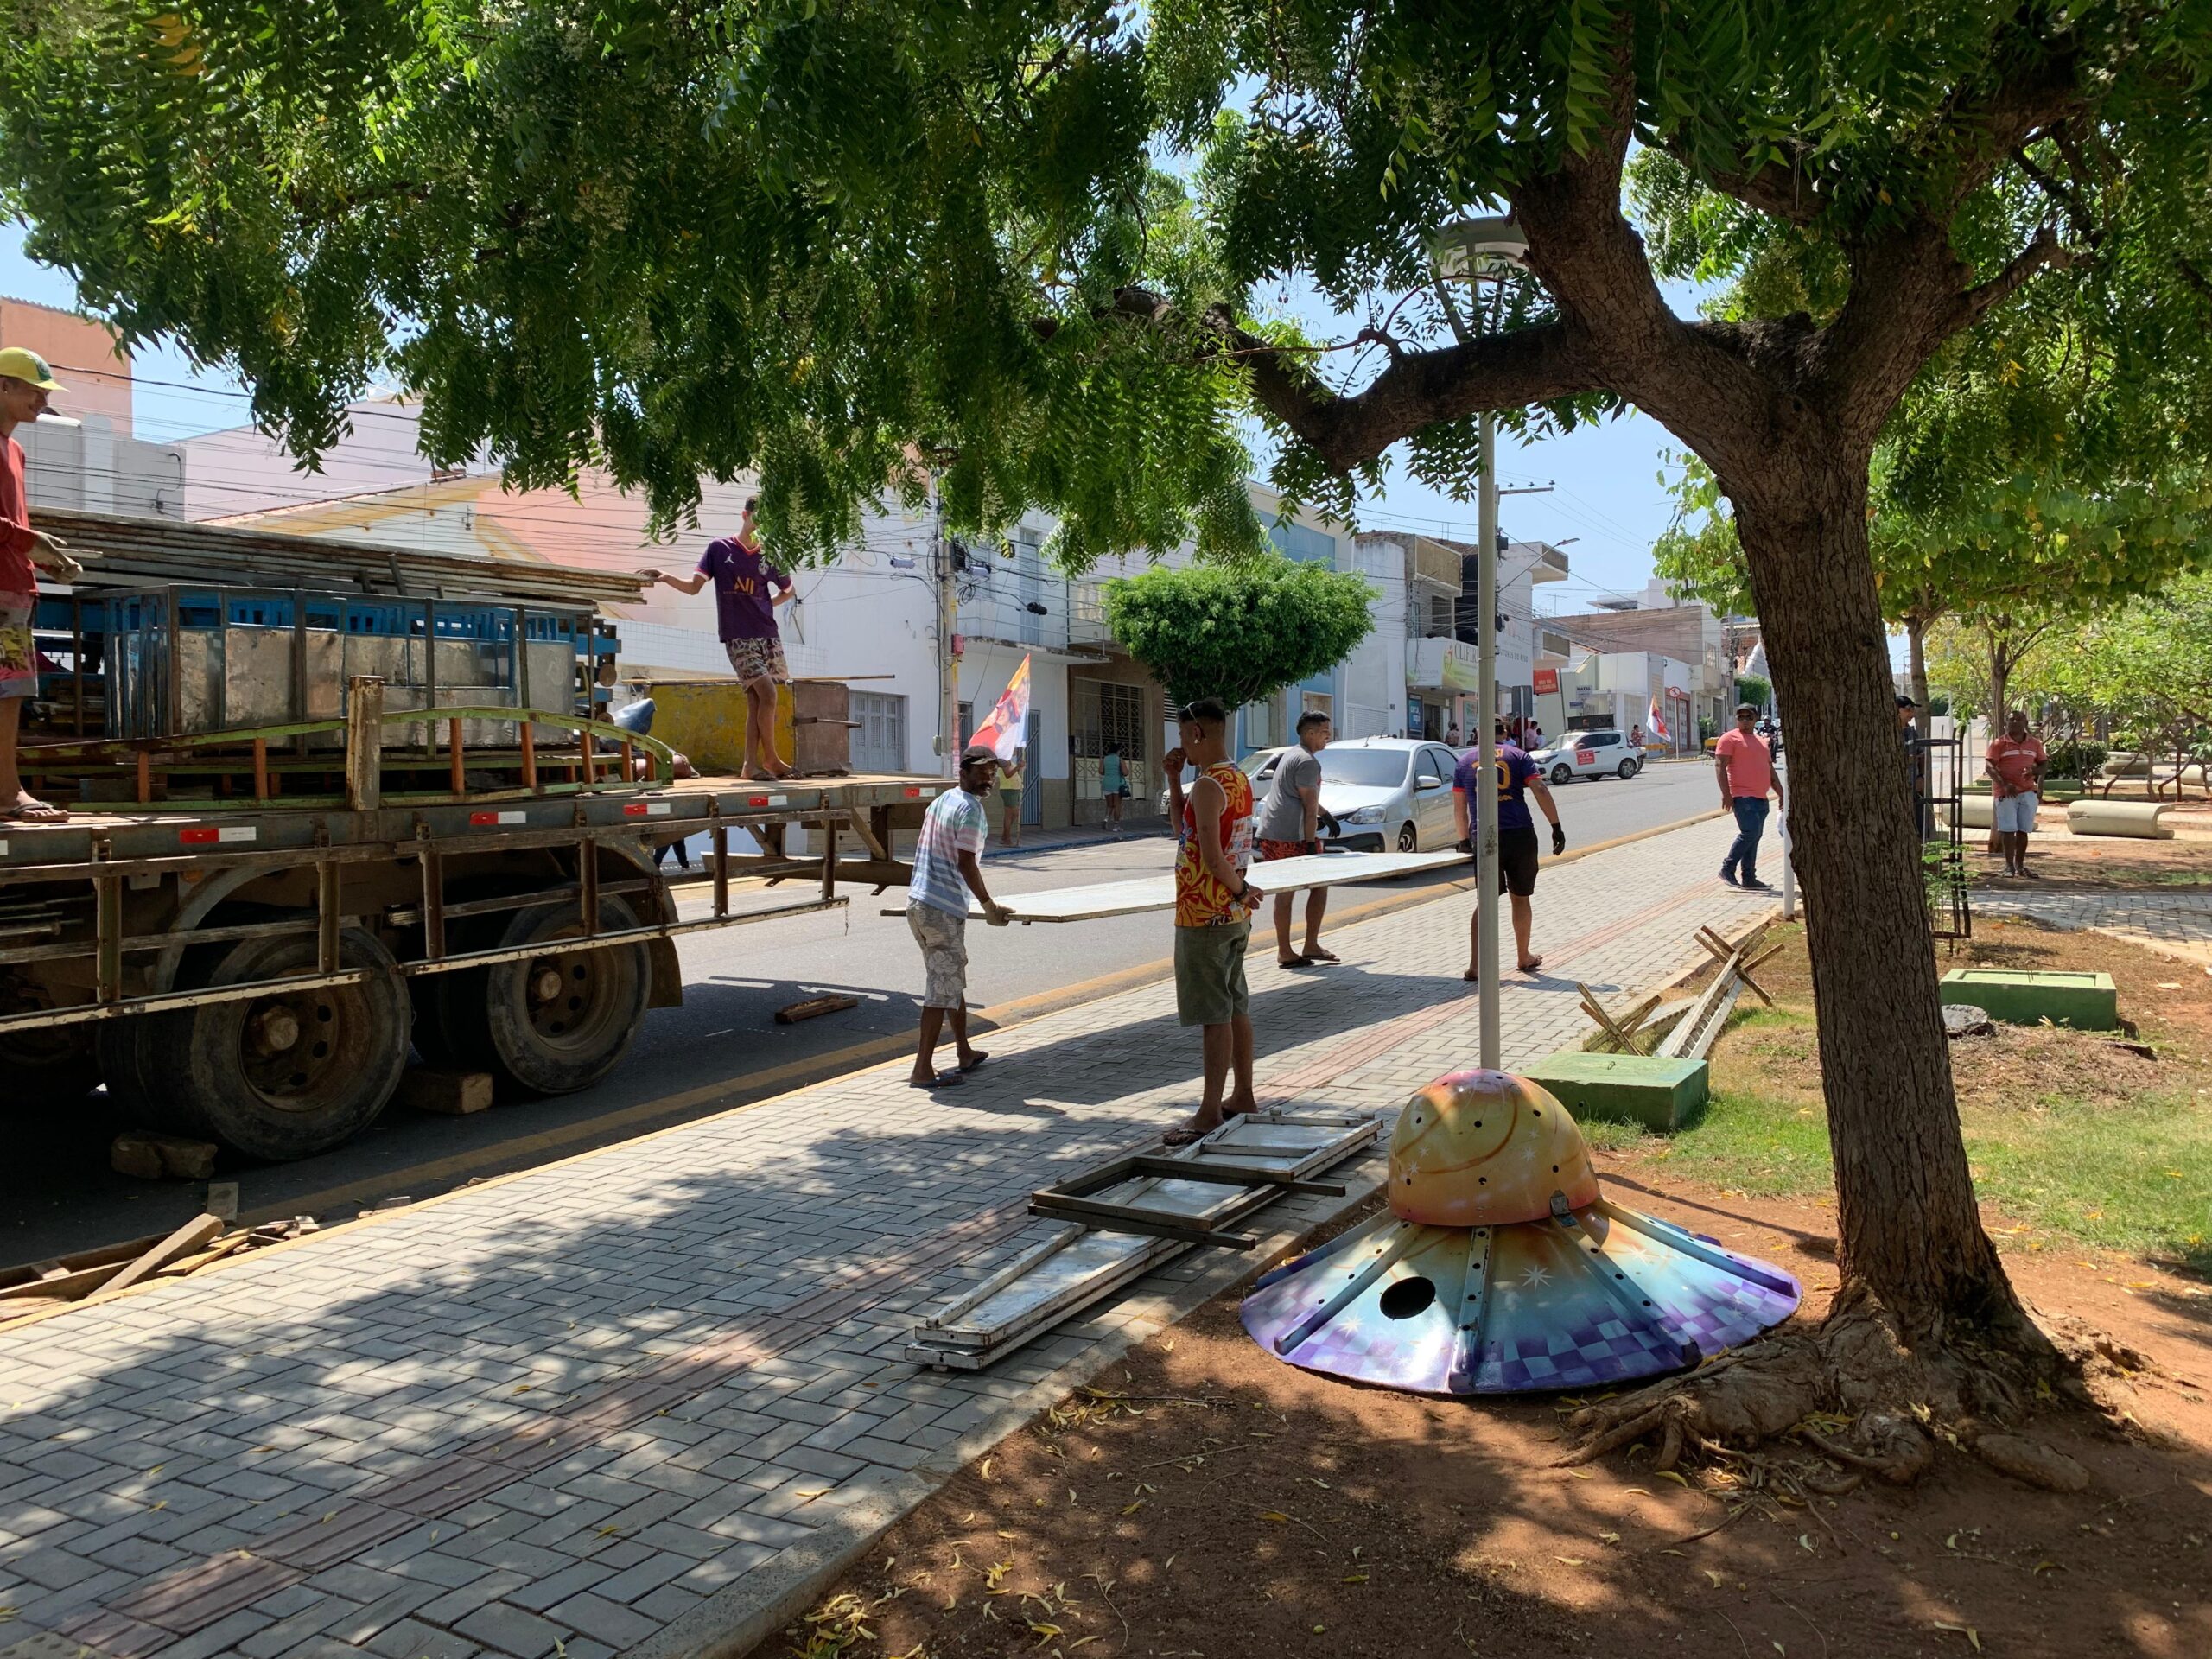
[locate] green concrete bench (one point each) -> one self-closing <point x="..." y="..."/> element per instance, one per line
<point x="2085" y="1001"/>
<point x="1659" y="1094"/>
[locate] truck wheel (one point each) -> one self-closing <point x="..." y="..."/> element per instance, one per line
<point x="559" y="1021"/>
<point x="289" y="1073"/>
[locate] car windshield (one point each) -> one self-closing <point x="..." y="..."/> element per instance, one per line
<point x="1364" y="768"/>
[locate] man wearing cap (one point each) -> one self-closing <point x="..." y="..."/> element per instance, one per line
<point x="1745" y="766"/>
<point x="948" y="867"/>
<point x="25" y="380"/>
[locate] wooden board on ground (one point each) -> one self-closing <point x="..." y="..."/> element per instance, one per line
<point x="814" y="1006"/>
<point x="1152" y="893"/>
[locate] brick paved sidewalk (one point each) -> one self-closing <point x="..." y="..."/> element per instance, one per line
<point x="2178" y="923"/>
<point x="636" y="1399"/>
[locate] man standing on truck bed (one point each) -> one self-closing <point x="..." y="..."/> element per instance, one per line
<point x="747" y="589"/>
<point x="24" y="383"/>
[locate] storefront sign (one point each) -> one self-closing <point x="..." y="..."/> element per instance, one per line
<point x="1547" y="682"/>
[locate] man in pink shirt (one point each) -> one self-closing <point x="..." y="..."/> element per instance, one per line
<point x="1745" y="766"/>
<point x="25" y="380"/>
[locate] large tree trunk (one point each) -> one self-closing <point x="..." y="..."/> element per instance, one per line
<point x="1910" y="1234"/>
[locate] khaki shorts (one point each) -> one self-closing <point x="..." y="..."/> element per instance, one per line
<point x="943" y="939"/>
<point x="1210" y="973"/>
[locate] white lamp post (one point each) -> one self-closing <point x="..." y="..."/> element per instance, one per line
<point x="1484" y="248"/>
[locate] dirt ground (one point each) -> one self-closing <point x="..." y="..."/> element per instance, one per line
<point x="2065" y="861"/>
<point x="1204" y="1501"/>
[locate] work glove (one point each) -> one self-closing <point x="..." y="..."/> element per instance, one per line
<point x="1558" y="840"/>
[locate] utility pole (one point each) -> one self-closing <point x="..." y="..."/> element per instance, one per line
<point x="1491" y="1042"/>
<point x="948" y="664"/>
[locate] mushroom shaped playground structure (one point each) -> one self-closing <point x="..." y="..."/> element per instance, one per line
<point x="1500" y="1268"/>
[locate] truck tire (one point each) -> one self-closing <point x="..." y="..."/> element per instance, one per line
<point x="292" y="1072"/>
<point x="556" y="1023"/>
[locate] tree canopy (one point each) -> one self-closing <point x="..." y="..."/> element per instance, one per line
<point x="1241" y="630"/>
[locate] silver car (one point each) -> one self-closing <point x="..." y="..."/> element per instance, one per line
<point x="1381" y="791"/>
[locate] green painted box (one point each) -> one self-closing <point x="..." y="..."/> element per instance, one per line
<point x="1660" y="1094"/>
<point x="2086" y="1001"/>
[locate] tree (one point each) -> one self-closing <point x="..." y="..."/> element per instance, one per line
<point x="1750" y="689"/>
<point x="841" y="242"/>
<point x="2147" y="667"/>
<point x="1239" y="631"/>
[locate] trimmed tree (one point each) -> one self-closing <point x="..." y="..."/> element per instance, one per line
<point x="843" y="243"/>
<point x="1239" y="631"/>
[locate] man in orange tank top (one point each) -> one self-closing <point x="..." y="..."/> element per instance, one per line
<point x="1213" y="911"/>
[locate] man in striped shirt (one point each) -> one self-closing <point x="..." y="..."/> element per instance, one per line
<point x="948" y="867"/>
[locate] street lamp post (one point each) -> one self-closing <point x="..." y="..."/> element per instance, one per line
<point x="1479" y="249"/>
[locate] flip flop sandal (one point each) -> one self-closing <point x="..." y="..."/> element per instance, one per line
<point x="942" y="1080"/>
<point x="977" y="1064"/>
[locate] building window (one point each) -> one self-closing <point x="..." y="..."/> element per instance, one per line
<point x="879" y="740"/>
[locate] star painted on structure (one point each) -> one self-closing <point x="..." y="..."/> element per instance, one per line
<point x="1536" y="1276"/>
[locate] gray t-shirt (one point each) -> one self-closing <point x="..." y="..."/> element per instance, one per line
<point x="1283" y="817"/>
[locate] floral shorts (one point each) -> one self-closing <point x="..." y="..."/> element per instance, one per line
<point x="758" y="660"/>
<point x="18" y="658"/>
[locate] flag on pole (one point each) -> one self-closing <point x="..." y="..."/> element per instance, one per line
<point x="1006" y="729"/>
<point x="1657" y="723"/>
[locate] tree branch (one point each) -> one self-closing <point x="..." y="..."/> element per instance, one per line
<point x="1771" y="189"/>
<point x="2045" y="252"/>
<point x="1418" y="389"/>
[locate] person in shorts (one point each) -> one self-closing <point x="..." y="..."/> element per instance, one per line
<point x="747" y="590"/>
<point x="1011" y="784"/>
<point x="1289" y="827"/>
<point x="2015" y="765"/>
<point x="1516" y="841"/>
<point x="948" y="867"/>
<point x="1114" y="785"/>
<point x="25" y="380"/>
<point x="1213" y="913"/>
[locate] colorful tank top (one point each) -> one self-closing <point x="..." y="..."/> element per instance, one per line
<point x="1201" y="901"/>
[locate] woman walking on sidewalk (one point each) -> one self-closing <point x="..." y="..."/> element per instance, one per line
<point x="1113" y="785"/>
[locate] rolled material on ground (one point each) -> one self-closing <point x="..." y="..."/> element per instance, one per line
<point x="2140" y="819"/>
<point x="1975" y="811"/>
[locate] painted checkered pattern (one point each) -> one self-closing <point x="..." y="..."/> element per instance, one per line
<point x="570" y="1410"/>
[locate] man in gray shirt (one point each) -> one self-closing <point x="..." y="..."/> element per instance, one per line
<point x="1289" y="827"/>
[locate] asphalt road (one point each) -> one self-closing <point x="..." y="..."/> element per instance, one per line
<point x="720" y="1049"/>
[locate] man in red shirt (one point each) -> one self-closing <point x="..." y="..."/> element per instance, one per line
<point x="2015" y="764"/>
<point x="1745" y="766"/>
<point x="24" y="383"/>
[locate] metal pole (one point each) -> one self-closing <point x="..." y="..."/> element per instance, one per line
<point x="1487" y="900"/>
<point x="948" y="666"/>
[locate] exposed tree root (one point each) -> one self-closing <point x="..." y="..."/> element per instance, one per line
<point x="1867" y="1403"/>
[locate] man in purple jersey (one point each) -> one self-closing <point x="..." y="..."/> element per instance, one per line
<point x="747" y="589"/>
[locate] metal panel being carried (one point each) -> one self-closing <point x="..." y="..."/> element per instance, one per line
<point x="1150" y="892"/>
<point x="1079" y="1264"/>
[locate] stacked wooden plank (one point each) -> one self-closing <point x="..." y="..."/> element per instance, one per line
<point x="125" y="552"/>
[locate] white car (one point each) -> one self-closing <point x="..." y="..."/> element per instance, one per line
<point x="1383" y="793"/>
<point x="1589" y="754"/>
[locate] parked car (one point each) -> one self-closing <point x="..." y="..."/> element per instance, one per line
<point x="1589" y="754"/>
<point x="1383" y="793"/>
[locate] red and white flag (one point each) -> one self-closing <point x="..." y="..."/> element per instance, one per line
<point x="1005" y="730"/>
<point x="1657" y="724"/>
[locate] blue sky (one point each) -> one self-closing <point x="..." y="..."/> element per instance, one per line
<point x="1607" y="504"/>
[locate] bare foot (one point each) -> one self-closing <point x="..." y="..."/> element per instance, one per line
<point x="1473" y="976"/>
<point x="972" y="1057"/>
<point x="1532" y="965"/>
<point x="1293" y="962"/>
<point x="29" y="809"/>
<point x="1313" y="952"/>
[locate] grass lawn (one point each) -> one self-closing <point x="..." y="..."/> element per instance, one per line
<point x="2072" y="1137"/>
